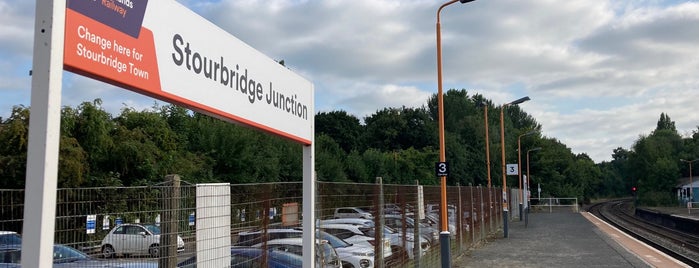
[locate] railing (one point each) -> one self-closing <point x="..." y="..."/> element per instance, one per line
<point x="555" y="204"/>
<point x="84" y="216"/>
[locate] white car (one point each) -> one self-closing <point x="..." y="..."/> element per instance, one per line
<point x="398" y="223"/>
<point x="352" y="212"/>
<point x="356" y="234"/>
<point x="358" y="255"/>
<point x="394" y="236"/>
<point x="352" y="255"/>
<point x="135" y="239"/>
<point x="326" y="255"/>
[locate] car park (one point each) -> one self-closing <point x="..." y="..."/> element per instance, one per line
<point x="326" y="256"/>
<point x="352" y="212"/>
<point x="134" y="239"/>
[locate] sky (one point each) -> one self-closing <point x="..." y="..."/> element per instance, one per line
<point x="599" y="73"/>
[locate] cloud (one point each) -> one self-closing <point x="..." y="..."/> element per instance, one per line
<point x="599" y="72"/>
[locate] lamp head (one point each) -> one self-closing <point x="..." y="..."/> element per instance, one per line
<point x="535" y="149"/>
<point x="466" y="1"/>
<point x="520" y="100"/>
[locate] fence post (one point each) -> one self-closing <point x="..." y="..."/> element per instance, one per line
<point x="473" y="226"/>
<point x="459" y="220"/>
<point x="378" y="235"/>
<point x="171" y="207"/>
<point x="482" y="212"/>
<point x="491" y="219"/>
<point x="416" y="226"/>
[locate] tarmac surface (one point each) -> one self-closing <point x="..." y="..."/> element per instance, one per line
<point x="552" y="240"/>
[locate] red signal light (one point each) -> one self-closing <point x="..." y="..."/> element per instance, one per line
<point x="633" y="189"/>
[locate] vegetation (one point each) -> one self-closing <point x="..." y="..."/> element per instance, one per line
<point x="399" y="144"/>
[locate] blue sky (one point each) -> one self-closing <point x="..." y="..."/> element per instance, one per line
<point x="599" y="73"/>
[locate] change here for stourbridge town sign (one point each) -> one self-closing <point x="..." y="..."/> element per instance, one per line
<point x="166" y="51"/>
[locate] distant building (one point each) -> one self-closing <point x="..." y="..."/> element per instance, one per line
<point x="682" y="189"/>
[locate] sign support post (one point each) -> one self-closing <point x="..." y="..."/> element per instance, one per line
<point x="44" y="135"/>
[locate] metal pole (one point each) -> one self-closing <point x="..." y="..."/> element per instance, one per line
<point x="504" y="171"/>
<point x="416" y="228"/>
<point x="519" y="173"/>
<point x="378" y="235"/>
<point x="487" y="144"/>
<point x="459" y="220"/>
<point x="44" y="135"/>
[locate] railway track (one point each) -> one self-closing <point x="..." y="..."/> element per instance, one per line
<point x="620" y="213"/>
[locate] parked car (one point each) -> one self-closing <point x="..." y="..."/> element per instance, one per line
<point x="351" y="255"/>
<point x="359" y="254"/>
<point x="326" y="256"/>
<point x="135" y="239"/>
<point x="245" y="257"/>
<point x="395" y="237"/>
<point x="354" y="221"/>
<point x="433" y="220"/>
<point x="10" y="238"/>
<point x="352" y="212"/>
<point x="357" y="234"/>
<point x="426" y="231"/>
<point x="64" y="257"/>
<point x="249" y="238"/>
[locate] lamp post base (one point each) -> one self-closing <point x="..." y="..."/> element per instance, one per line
<point x="526" y="217"/>
<point x="504" y="222"/>
<point x="445" y="249"/>
<point x="521" y="207"/>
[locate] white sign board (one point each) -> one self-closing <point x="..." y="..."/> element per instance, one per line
<point x="512" y="169"/>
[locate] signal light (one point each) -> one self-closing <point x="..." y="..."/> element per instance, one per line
<point x="633" y="189"/>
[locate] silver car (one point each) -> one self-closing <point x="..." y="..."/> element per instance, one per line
<point x="135" y="239"/>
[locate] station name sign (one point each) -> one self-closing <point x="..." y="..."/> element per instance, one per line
<point x="166" y="51"/>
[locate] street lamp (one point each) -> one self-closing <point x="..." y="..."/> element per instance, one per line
<point x="487" y="140"/>
<point x="691" y="196"/>
<point x="529" y="184"/>
<point x="444" y="234"/>
<point x="504" y="169"/>
<point x="519" y="168"/>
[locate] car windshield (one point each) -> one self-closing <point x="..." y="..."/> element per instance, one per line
<point x="10" y="239"/>
<point x="153" y="229"/>
<point x="334" y="241"/>
<point x="63" y="254"/>
<point x="361" y="210"/>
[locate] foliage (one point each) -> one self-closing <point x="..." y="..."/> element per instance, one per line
<point x="401" y="145"/>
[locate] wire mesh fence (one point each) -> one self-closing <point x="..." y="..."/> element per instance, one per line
<point x="163" y="225"/>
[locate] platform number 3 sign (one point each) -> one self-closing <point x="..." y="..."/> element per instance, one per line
<point x="512" y="169"/>
<point x="442" y="169"/>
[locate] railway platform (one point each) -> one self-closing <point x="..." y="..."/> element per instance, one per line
<point x="682" y="212"/>
<point x="564" y="240"/>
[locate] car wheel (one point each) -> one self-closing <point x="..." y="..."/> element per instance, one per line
<point x="347" y="265"/>
<point x="154" y="251"/>
<point x="108" y="251"/>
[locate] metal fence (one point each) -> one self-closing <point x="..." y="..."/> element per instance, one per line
<point x="85" y="216"/>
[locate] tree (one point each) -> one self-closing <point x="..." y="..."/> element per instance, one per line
<point x="14" y="134"/>
<point x="341" y="127"/>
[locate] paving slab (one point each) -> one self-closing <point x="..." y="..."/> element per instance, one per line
<point x="551" y="240"/>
